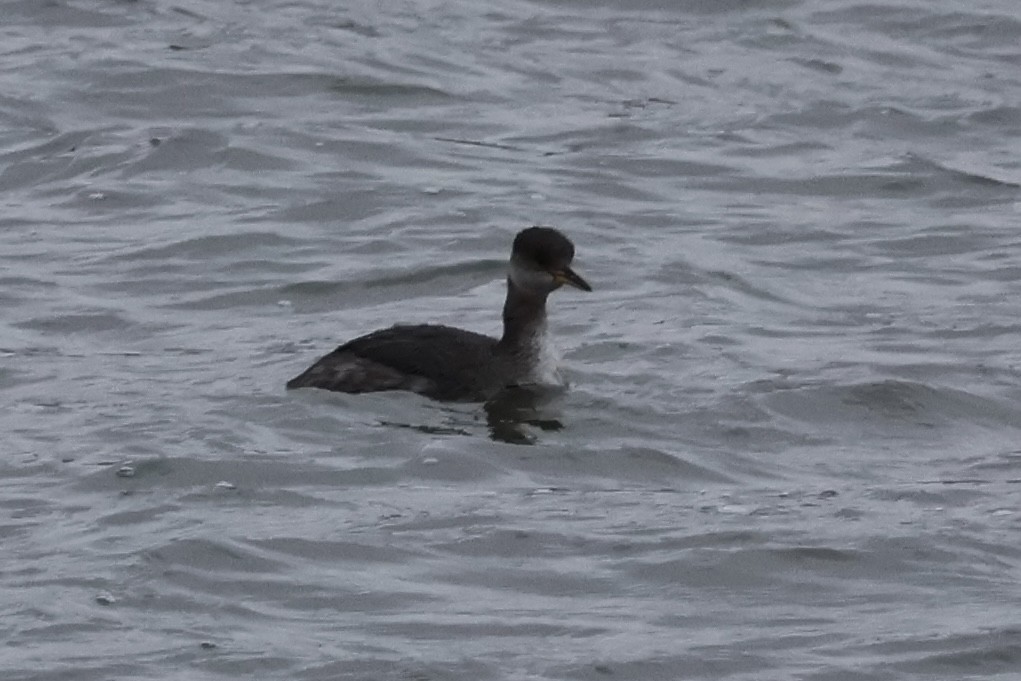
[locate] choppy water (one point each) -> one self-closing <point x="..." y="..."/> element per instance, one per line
<point x="791" y="446"/>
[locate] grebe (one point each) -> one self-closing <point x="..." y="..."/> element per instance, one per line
<point x="446" y="363"/>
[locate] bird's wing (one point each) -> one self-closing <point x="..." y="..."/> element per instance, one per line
<point x="423" y="350"/>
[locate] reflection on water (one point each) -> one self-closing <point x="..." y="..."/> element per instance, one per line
<point x="515" y="416"/>
<point x="509" y="414"/>
<point x="427" y="428"/>
<point x="800" y="416"/>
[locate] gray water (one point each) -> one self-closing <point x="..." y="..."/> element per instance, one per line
<point x="790" y="448"/>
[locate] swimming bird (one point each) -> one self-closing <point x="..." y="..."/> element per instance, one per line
<point x="447" y="363"/>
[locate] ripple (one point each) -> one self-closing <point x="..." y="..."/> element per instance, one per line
<point x="793" y="401"/>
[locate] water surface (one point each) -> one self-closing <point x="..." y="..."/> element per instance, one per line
<point x="789" y="449"/>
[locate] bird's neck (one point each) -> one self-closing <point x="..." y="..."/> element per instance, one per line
<point x="524" y="318"/>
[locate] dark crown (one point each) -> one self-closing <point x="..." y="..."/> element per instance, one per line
<point x="545" y="246"/>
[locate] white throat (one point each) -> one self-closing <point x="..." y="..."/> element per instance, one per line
<point x="546" y="370"/>
<point x="530" y="279"/>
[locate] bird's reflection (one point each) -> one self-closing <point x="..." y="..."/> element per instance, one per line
<point x="515" y="412"/>
<point x="515" y="416"/>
